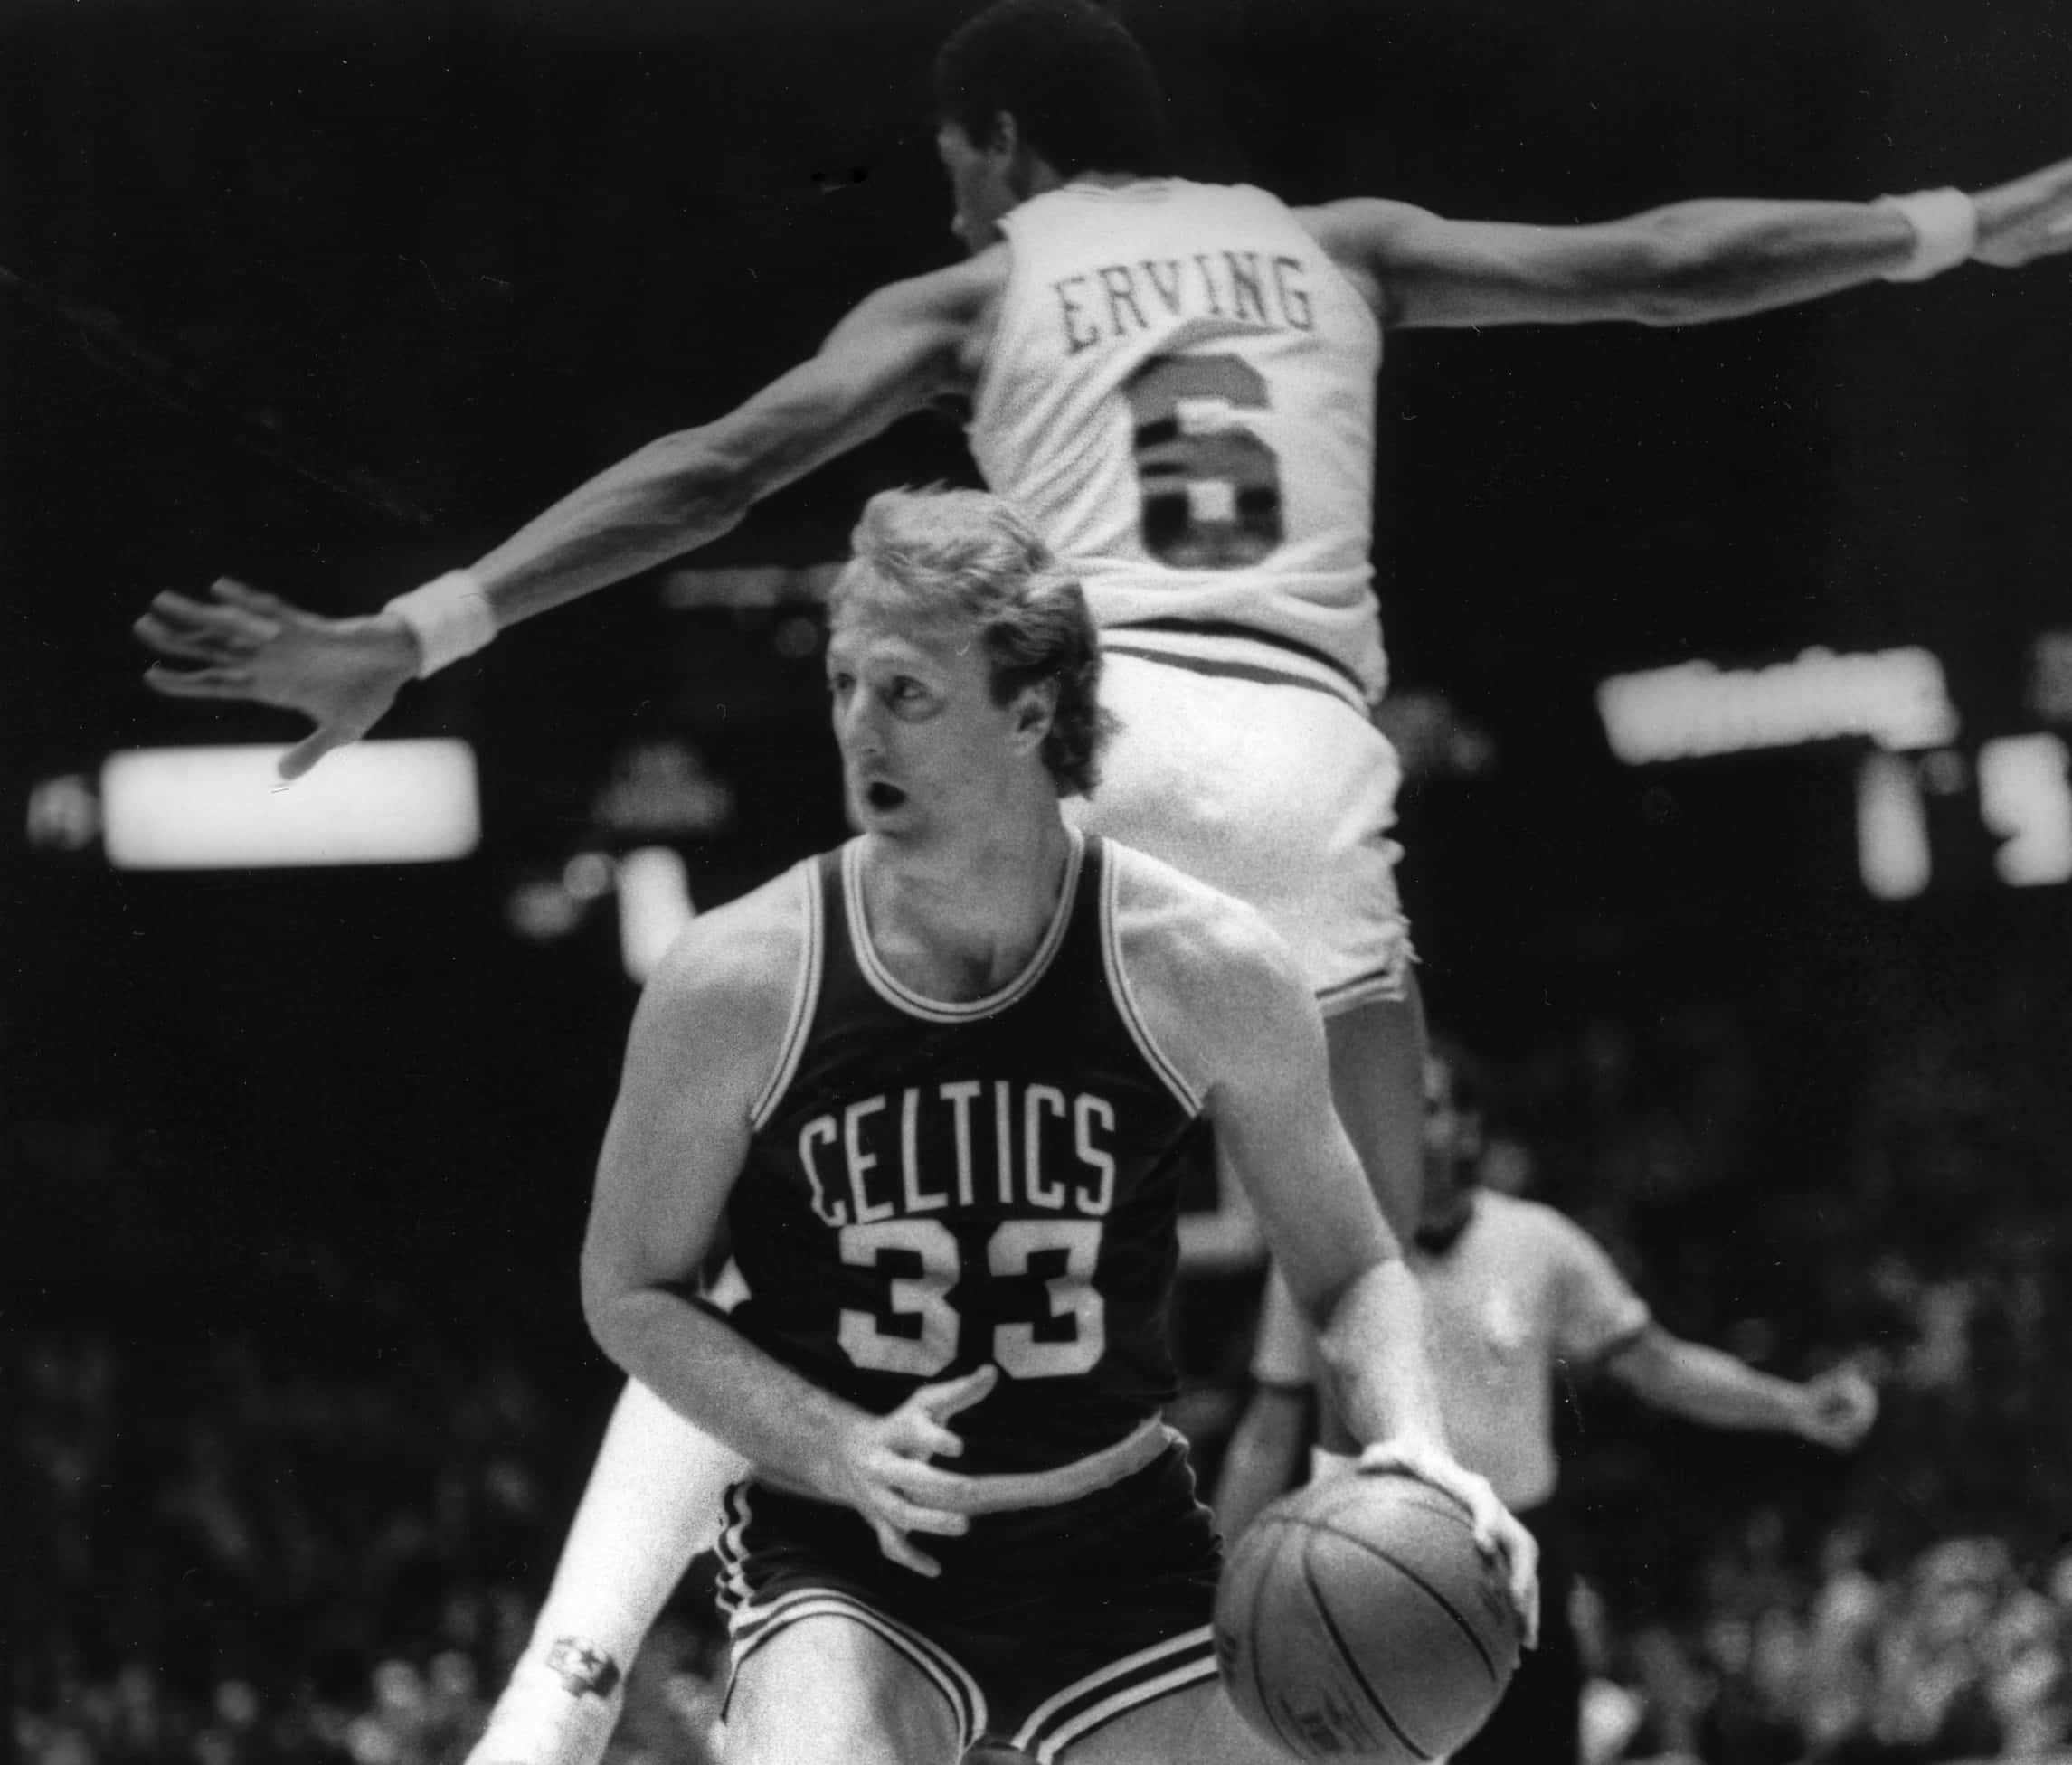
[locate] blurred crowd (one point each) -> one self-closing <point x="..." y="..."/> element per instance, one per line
<point x="1958" y="1655"/>
<point x="245" y="1555"/>
<point x="241" y="1544"/>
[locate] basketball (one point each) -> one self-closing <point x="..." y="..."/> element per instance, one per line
<point x="1356" y="1619"/>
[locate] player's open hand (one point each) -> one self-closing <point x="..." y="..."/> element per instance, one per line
<point x="882" y="1470"/>
<point x="343" y="674"/>
<point x="1497" y="1532"/>
<point x="1840" y="1405"/>
<point x="2027" y="218"/>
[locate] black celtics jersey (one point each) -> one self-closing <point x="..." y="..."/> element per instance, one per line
<point x="930" y="1188"/>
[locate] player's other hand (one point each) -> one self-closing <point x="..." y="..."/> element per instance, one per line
<point x="2027" y="218"/>
<point x="1840" y="1405"/>
<point x="1497" y="1531"/>
<point x="880" y="1466"/>
<point x="343" y="674"/>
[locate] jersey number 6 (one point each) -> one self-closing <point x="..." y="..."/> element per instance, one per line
<point x="926" y="1337"/>
<point x="1211" y="487"/>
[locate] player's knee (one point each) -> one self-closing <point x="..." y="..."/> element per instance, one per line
<point x="831" y="1693"/>
<point x="837" y="1731"/>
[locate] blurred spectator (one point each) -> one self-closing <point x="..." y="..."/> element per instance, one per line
<point x="312" y="1539"/>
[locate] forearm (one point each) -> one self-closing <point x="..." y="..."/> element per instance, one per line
<point x="1371" y="1348"/>
<point x="1705" y="1385"/>
<point x="713" y="1376"/>
<point x="1687" y="263"/>
<point x="1264" y="1458"/>
<point x="1720" y="259"/>
<point x="672" y="496"/>
<point x="886" y="358"/>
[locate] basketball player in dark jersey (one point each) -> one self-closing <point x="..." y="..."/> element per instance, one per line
<point x="944" y="1085"/>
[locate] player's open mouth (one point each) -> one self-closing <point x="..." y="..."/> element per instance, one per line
<point x="879" y="795"/>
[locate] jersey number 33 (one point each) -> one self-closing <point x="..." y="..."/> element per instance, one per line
<point x="918" y="1332"/>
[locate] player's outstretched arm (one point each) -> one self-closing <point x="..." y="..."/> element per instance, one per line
<point x="1687" y="263"/>
<point x="705" y="1042"/>
<point x="894" y="351"/>
<point x="1835" y="1410"/>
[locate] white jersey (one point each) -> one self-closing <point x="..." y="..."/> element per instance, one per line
<point x="1179" y="393"/>
<point x="1523" y="1290"/>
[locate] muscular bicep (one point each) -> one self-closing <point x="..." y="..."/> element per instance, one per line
<point x="1270" y="1105"/>
<point x="888" y="357"/>
<point x="1687" y="263"/>
<point x="677" y="1141"/>
<point x="1425" y="270"/>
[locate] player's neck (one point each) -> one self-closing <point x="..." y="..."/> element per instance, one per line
<point x="960" y="918"/>
<point x="1045" y="178"/>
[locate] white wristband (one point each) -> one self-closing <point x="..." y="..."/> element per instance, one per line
<point x="451" y="617"/>
<point x="1946" y="225"/>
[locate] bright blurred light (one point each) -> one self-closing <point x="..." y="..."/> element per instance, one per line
<point x="654" y="907"/>
<point x="2026" y="798"/>
<point x="1891" y="828"/>
<point x="225" y="807"/>
<point x="1897" y="697"/>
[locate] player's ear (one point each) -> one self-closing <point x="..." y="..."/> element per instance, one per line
<point x="1035" y="707"/>
<point x="1021" y="167"/>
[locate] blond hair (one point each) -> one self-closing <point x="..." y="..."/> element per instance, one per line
<point x="967" y="556"/>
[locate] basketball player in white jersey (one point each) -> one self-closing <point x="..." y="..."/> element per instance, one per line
<point x="1515" y="1295"/>
<point x="1176" y="382"/>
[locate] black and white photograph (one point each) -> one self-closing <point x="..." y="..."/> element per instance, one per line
<point x="1036" y="881"/>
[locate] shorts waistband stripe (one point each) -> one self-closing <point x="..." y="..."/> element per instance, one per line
<point x="1369" y="989"/>
<point x="1225" y="631"/>
<point x="1237" y="654"/>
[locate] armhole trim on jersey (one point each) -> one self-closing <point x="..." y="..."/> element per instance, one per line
<point x="1119" y="986"/>
<point x="805" y="998"/>
<point x="1379" y="331"/>
<point x="989" y="370"/>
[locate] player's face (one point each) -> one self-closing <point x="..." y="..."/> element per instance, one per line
<point x="923" y="746"/>
<point x="980" y="187"/>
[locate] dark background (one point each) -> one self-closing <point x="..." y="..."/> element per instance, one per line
<point x="332" y="297"/>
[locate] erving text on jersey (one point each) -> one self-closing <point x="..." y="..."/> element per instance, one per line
<point x="1107" y="301"/>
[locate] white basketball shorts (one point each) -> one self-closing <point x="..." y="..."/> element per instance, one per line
<point x="1258" y="771"/>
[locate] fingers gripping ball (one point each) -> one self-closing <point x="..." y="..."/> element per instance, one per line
<point x="1356" y="1620"/>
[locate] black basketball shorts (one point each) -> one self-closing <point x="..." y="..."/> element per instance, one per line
<point x="1045" y="1625"/>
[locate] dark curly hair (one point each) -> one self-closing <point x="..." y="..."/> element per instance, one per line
<point x="1079" y="87"/>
